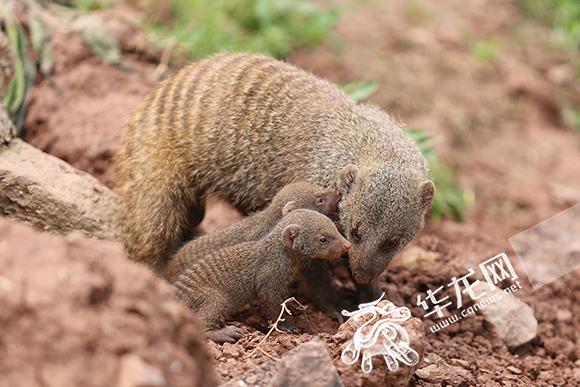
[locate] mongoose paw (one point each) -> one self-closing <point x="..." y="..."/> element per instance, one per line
<point x="228" y="334"/>
<point x="288" y="327"/>
<point x="335" y="314"/>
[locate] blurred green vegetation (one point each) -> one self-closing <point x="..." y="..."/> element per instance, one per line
<point x="361" y="90"/>
<point x="562" y="15"/>
<point x="274" y="27"/>
<point x="571" y="115"/>
<point x="451" y="200"/>
<point x="23" y="41"/>
<point x="485" y="50"/>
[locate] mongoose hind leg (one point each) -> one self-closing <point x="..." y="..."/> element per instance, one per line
<point x="212" y="308"/>
<point x="157" y="215"/>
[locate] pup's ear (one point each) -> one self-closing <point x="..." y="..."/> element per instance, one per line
<point x="346" y="178"/>
<point x="289" y="234"/>
<point x="289" y="207"/>
<point x="426" y="194"/>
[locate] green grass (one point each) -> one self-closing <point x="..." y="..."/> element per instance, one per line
<point x="275" y="27"/>
<point x="361" y="90"/>
<point x="451" y="200"/>
<point x="15" y="99"/>
<point x="571" y="115"/>
<point x="485" y="50"/>
<point x="562" y="15"/>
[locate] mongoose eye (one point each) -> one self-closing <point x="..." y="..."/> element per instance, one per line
<point x="320" y="201"/>
<point x="391" y="245"/>
<point x="354" y="235"/>
<point x="323" y="240"/>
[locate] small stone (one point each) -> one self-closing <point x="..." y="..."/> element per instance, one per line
<point x="415" y="256"/>
<point x="380" y="375"/>
<point x="513" y="320"/>
<point x="558" y="346"/>
<point x="514" y="370"/>
<point x="564" y="315"/>
<point x="307" y="365"/>
<point x="459" y="362"/>
<point x="230" y="352"/>
<point x="134" y="372"/>
<point x="442" y="372"/>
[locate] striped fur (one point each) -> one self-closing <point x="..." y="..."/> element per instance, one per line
<point x="241" y="127"/>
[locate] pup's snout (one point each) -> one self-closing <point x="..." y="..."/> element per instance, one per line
<point x="346" y="247"/>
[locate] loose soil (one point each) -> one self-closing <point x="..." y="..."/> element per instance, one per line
<point x="499" y="116"/>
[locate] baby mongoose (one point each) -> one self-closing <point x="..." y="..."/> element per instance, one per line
<point x="241" y="127"/>
<point x="219" y="284"/>
<point x="301" y="195"/>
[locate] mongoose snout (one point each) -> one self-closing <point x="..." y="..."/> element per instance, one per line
<point x="380" y="225"/>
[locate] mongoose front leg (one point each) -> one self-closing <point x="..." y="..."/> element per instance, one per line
<point x="271" y="297"/>
<point x="368" y="292"/>
<point x="317" y="276"/>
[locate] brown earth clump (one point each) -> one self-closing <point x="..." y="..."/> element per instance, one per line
<point x="76" y="312"/>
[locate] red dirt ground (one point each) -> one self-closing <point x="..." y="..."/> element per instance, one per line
<point x="502" y="130"/>
<point x="76" y="312"/>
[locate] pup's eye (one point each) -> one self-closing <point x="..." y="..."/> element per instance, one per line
<point x="320" y="201"/>
<point x="323" y="240"/>
<point x="391" y="245"/>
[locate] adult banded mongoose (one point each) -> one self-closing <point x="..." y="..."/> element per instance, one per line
<point x="300" y="194"/>
<point x="241" y="127"/>
<point x="221" y="283"/>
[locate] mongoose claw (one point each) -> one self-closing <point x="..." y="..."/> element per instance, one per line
<point x="228" y="334"/>
<point x="289" y="327"/>
<point x="336" y="315"/>
<point x="333" y="312"/>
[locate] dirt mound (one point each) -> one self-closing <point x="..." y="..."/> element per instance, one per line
<point x="75" y="312"/>
<point x="77" y="113"/>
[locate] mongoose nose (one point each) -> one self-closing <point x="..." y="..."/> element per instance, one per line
<point x="346" y="247"/>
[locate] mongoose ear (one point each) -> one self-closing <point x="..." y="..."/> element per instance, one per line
<point x="426" y="192"/>
<point x="289" y="234"/>
<point x="289" y="207"/>
<point x="346" y="178"/>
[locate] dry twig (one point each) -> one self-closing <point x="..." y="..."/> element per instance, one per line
<point x="274" y="326"/>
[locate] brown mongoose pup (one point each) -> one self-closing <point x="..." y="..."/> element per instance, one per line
<point x="241" y="127"/>
<point x="300" y="194"/>
<point x="221" y="283"/>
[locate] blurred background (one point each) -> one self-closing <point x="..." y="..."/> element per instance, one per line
<point x="479" y="85"/>
<point x="489" y="89"/>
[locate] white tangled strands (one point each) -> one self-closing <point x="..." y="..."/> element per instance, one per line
<point x="382" y="335"/>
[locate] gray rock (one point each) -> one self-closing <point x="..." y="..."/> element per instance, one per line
<point x="380" y="375"/>
<point x="441" y="372"/>
<point x="513" y="320"/>
<point x="134" y="372"/>
<point x="49" y="194"/>
<point x="307" y="365"/>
